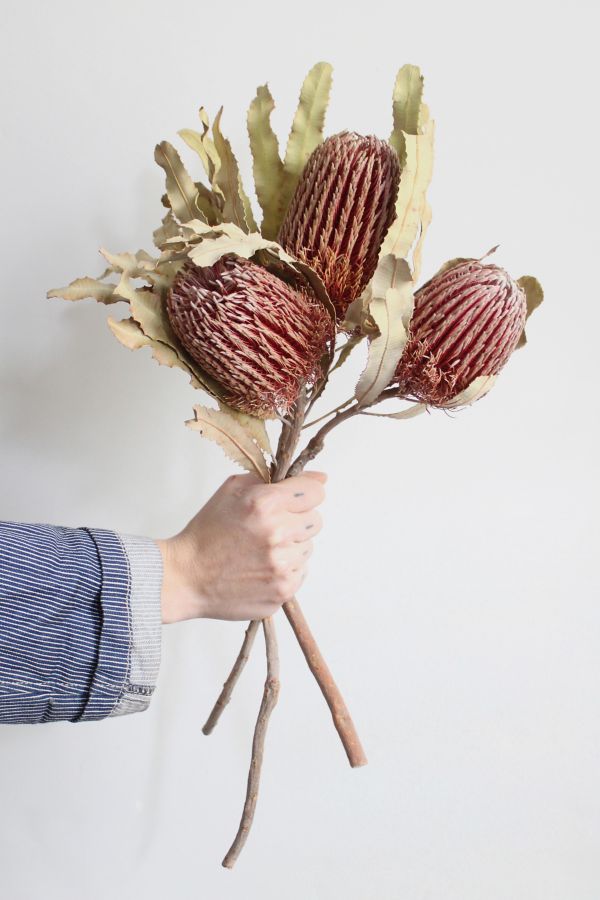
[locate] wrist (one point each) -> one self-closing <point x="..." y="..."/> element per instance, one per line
<point x="179" y="600"/>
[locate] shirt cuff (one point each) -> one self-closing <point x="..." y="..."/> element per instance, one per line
<point x="129" y="650"/>
<point x="145" y="619"/>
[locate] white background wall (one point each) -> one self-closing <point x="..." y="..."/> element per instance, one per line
<point x="454" y="589"/>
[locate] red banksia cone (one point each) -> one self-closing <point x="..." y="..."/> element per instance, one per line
<point x="341" y="210"/>
<point x="257" y="336"/>
<point x="467" y="322"/>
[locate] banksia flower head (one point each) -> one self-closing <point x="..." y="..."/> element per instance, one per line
<point x="467" y="322"/>
<point x="257" y="336"/>
<point x="341" y="210"/>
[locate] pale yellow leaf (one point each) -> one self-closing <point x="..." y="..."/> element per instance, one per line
<point x="307" y="129"/>
<point x="181" y="190"/>
<point x="267" y="165"/>
<point x="254" y="427"/>
<point x="406" y="105"/>
<point x="411" y="199"/>
<point x="231" y="436"/>
<point x="129" y="333"/>
<point x="478" y="388"/>
<point x="236" y="207"/>
<point x="84" y="288"/>
<point x="391" y="307"/>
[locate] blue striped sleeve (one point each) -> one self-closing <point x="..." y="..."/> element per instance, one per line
<point x="80" y="624"/>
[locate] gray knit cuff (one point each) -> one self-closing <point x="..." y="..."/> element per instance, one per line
<point x="145" y="623"/>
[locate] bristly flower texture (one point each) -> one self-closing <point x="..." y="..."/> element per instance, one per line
<point x="257" y="336"/>
<point x="341" y="210"/>
<point x="467" y="322"/>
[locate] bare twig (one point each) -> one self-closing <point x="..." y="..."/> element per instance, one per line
<point x="317" y="665"/>
<point x="315" y="445"/>
<point x="269" y="700"/>
<point x="225" y="695"/>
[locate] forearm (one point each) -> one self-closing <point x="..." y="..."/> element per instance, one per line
<point x="79" y="623"/>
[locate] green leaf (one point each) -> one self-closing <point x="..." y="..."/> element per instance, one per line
<point x="237" y="208"/>
<point x="181" y="190"/>
<point x="267" y="166"/>
<point x="231" y="436"/>
<point x="84" y="288"/>
<point x="307" y="129"/>
<point x="391" y="307"/>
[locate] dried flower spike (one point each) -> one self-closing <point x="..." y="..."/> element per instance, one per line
<point x="255" y="335"/>
<point x="341" y="210"/>
<point x="467" y="321"/>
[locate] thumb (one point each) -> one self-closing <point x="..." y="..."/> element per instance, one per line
<point x="318" y="476"/>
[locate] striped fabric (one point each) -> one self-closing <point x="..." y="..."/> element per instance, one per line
<point x="80" y="623"/>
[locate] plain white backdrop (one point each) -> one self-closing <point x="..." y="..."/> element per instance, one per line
<point x="454" y="588"/>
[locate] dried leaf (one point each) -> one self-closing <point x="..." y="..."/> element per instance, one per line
<point x="352" y="342"/>
<point x="236" y="207"/>
<point x="411" y="199"/>
<point x="535" y="296"/>
<point x="391" y="307"/>
<point x="231" y="436"/>
<point x="267" y="166"/>
<point x="415" y="410"/>
<point x="84" y="288"/>
<point x="203" y="145"/>
<point x="129" y="333"/>
<point x="406" y="105"/>
<point x="477" y="389"/>
<point x="255" y="427"/>
<point x="307" y="130"/>
<point x="181" y="190"/>
<point x="231" y="239"/>
<point x="418" y="250"/>
<point x="168" y="229"/>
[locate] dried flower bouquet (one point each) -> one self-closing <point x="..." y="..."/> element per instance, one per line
<point x="252" y="315"/>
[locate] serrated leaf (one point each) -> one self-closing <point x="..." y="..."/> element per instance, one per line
<point x="267" y="166"/>
<point x="254" y="427"/>
<point x="231" y="436"/>
<point x="352" y="342"/>
<point x="406" y="105"/>
<point x="203" y="145"/>
<point x="86" y="288"/>
<point x="167" y="230"/>
<point x="478" y="388"/>
<point x="391" y="307"/>
<point x="535" y="296"/>
<point x="231" y="239"/>
<point x="129" y="333"/>
<point x="411" y="199"/>
<point x="147" y="308"/>
<point x="236" y="207"/>
<point x="181" y="190"/>
<point x="307" y="130"/>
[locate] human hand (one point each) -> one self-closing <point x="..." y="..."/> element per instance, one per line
<point x="245" y="552"/>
